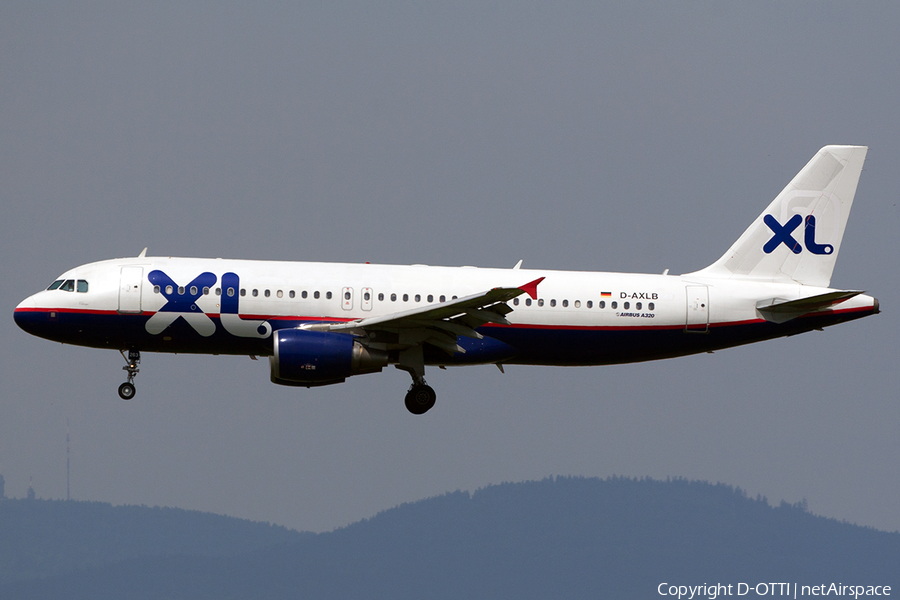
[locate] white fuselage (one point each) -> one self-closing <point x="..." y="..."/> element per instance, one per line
<point x="293" y="293"/>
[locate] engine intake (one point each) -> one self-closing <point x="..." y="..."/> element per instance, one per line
<point x="313" y="358"/>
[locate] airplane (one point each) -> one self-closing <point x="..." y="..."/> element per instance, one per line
<point x="319" y="323"/>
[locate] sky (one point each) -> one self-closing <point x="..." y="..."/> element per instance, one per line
<point x="605" y="136"/>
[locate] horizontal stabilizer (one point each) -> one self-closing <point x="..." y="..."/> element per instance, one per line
<point x="776" y="310"/>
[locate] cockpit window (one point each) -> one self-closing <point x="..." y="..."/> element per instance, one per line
<point x="81" y="286"/>
<point x="55" y="284"/>
<point x="68" y="285"/>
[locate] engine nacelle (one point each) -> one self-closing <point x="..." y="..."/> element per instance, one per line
<point x="313" y="358"/>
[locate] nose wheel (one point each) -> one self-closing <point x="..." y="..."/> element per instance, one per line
<point x="127" y="390"/>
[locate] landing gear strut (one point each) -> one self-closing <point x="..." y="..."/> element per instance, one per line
<point x="420" y="397"/>
<point x="126" y="390"/>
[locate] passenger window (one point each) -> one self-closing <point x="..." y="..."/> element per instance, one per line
<point x="393" y="297"/>
<point x="540" y="302"/>
<point x="406" y="297"/>
<point x="578" y="304"/>
<point x="316" y="295"/>
<point x="255" y="293"/>
<point x="454" y="297"/>
<point x="230" y="292"/>
<point x="169" y="290"/>
<point x="218" y="291"/>
<point x="347" y="296"/>
<point x="430" y="298"/>
<point x="638" y="306"/>
<point x="181" y="290"/>
<point x="443" y="298"/>
<point x="280" y="294"/>
<point x="291" y="294"/>
<point x="651" y="306"/>
<point x="527" y="301"/>
<point x="590" y="304"/>
<point x="81" y="286"/>
<point x="328" y="295"/>
<point x="206" y="291"/>
<point x="367" y="296"/>
<point x="381" y="297"/>
<point x="516" y="301"/>
<point x="553" y="302"/>
<point x="303" y="294"/>
<point x="194" y="290"/>
<point x="418" y="298"/>
<point x="602" y="304"/>
<point x="68" y="285"/>
<point x="55" y="284"/>
<point x="243" y="291"/>
<point x="155" y="289"/>
<point x="627" y="306"/>
<point x="267" y="293"/>
<point x="614" y="305"/>
<point x="565" y="303"/>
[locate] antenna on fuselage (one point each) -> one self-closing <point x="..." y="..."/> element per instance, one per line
<point x="143" y="253"/>
<point x="519" y="264"/>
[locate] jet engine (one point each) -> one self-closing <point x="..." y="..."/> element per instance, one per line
<point x="313" y="358"/>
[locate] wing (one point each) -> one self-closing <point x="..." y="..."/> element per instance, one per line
<point x="435" y="324"/>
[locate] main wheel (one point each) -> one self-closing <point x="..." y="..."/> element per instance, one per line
<point x="126" y="391"/>
<point x="420" y="399"/>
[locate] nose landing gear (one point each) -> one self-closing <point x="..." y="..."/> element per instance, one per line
<point x="126" y="390"/>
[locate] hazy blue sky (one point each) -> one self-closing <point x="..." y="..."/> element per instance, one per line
<point x="626" y="136"/>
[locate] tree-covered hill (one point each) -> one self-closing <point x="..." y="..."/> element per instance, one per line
<point x="556" y="538"/>
<point x="46" y="537"/>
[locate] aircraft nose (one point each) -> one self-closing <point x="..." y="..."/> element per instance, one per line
<point x="24" y="314"/>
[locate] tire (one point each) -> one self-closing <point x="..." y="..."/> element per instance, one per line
<point x="420" y="399"/>
<point x="126" y="391"/>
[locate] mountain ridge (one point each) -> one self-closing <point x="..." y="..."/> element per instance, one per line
<point x="39" y="538"/>
<point x="561" y="536"/>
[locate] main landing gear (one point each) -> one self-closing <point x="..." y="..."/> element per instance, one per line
<point x="126" y="390"/>
<point x="420" y="397"/>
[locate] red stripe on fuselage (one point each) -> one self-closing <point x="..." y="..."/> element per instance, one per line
<point x="486" y="325"/>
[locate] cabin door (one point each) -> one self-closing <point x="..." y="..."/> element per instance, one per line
<point x="130" y="279"/>
<point x="697" y="318"/>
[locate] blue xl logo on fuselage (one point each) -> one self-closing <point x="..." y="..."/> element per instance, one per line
<point x="782" y="235"/>
<point x="181" y="302"/>
<point x="181" y="298"/>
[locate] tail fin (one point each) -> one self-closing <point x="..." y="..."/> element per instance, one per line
<point x="799" y="235"/>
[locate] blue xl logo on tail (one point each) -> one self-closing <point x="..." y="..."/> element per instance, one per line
<point x="782" y="235"/>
